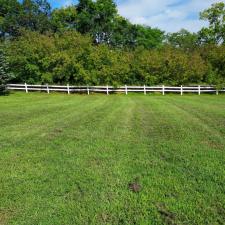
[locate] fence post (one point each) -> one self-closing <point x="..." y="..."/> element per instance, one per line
<point x="107" y="89"/>
<point x="26" y="88"/>
<point x="126" y="89"/>
<point x="47" y="88"/>
<point x="199" y="90"/>
<point x="144" y="90"/>
<point x="181" y="89"/>
<point x="163" y="90"/>
<point x="68" y="89"/>
<point x="88" y="90"/>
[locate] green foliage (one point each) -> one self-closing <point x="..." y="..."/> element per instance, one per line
<point x="9" y="16"/>
<point x="168" y="66"/>
<point x="71" y="57"/>
<point x="147" y="37"/>
<point x="104" y="20"/>
<point x="183" y="39"/>
<point x="86" y="11"/>
<point x="27" y="14"/>
<point x="64" y="19"/>
<point x="215" y="33"/>
<point x="215" y="57"/>
<point x="123" y="33"/>
<point x="5" y="75"/>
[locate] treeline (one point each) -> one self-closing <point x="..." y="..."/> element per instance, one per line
<point x="89" y="43"/>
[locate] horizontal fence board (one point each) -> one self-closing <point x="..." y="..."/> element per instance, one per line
<point x="190" y="91"/>
<point x="172" y="87"/>
<point x="36" y="85"/>
<point x="20" y="85"/>
<point x="208" y="90"/>
<point x="135" y="90"/>
<point x="16" y="88"/>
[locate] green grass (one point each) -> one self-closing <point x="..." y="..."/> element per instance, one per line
<point x="72" y="159"/>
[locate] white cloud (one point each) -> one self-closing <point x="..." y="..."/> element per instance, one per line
<point x="169" y="15"/>
<point x="67" y="3"/>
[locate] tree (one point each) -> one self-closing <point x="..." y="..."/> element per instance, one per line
<point x="148" y="37"/>
<point x="214" y="56"/>
<point x="35" y="15"/>
<point x="5" y="75"/>
<point x="123" y="33"/>
<point x="97" y="18"/>
<point x="104" y="19"/>
<point x="85" y="11"/>
<point x="9" y="14"/>
<point x="29" y="14"/>
<point x="183" y="39"/>
<point x="64" y="19"/>
<point x="215" y="33"/>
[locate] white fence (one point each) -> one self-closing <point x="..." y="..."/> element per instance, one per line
<point x="110" y="89"/>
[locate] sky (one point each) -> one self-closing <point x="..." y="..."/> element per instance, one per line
<point x="168" y="15"/>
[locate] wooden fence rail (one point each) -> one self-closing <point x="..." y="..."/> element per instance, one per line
<point x="110" y="89"/>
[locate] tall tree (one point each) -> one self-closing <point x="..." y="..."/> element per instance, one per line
<point x="97" y="18"/>
<point x="104" y="19"/>
<point x="9" y="14"/>
<point x="215" y="33"/>
<point x="35" y="15"/>
<point x="86" y="12"/>
<point x="29" y="14"/>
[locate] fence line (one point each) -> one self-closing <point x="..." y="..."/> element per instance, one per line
<point x="110" y="89"/>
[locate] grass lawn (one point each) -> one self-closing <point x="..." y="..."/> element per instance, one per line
<point x="114" y="159"/>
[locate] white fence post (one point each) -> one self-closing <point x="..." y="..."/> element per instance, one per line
<point x="88" y="90"/>
<point x="47" y="88"/>
<point x="126" y="89"/>
<point x="199" y="90"/>
<point x="217" y="92"/>
<point x="181" y="90"/>
<point x="107" y="89"/>
<point x="68" y="89"/>
<point x="26" y="88"/>
<point x="144" y="90"/>
<point x="163" y="90"/>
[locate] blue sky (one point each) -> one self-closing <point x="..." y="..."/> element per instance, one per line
<point x="168" y="15"/>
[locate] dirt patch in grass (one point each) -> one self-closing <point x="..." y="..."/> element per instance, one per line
<point x="219" y="208"/>
<point x="54" y="133"/>
<point x="5" y="215"/>
<point x="213" y="144"/>
<point x="135" y="186"/>
<point x="95" y="162"/>
<point x="104" y="218"/>
<point x="167" y="216"/>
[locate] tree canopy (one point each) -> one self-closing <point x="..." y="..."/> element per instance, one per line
<point x="215" y="33"/>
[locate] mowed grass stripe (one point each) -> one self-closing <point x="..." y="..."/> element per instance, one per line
<point x="79" y="171"/>
<point x="86" y="120"/>
<point x="43" y="123"/>
<point x="193" y="161"/>
<point x="204" y="109"/>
